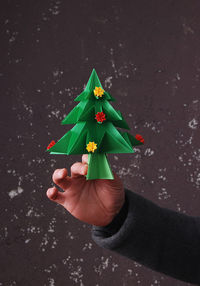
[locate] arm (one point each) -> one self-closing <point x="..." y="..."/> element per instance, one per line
<point x="161" y="239"/>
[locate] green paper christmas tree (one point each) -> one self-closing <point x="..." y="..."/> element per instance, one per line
<point x="95" y="131"/>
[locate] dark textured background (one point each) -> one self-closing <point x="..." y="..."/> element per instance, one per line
<point x="147" y="54"/>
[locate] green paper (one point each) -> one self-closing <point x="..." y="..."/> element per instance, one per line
<point x="113" y="145"/>
<point x="98" y="106"/>
<point x="108" y="96"/>
<point x="98" y="167"/>
<point x="92" y="83"/>
<point x="111" y="113"/>
<point x="107" y="137"/>
<point x="74" y="116"/>
<point x="61" y="146"/>
<point x="88" y="115"/>
<point x="76" y="140"/>
<point x="121" y="123"/>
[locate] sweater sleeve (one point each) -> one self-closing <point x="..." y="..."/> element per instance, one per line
<point x="161" y="239"/>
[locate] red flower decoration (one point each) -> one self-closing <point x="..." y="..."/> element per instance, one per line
<point x="139" y="138"/>
<point x="100" y="117"/>
<point x="51" y="144"/>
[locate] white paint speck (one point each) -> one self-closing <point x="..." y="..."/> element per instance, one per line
<point x="193" y="123"/>
<point x="163" y="194"/>
<point x="148" y="152"/>
<point x="27" y="240"/>
<point x="51" y="282"/>
<point x="108" y="82"/>
<point x="87" y="246"/>
<point x="14" y="193"/>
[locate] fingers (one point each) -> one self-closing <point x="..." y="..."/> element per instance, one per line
<point x="78" y="169"/>
<point x="54" y="195"/>
<point x="85" y="158"/>
<point x="61" y="179"/>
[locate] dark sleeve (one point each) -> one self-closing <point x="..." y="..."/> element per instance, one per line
<point x="161" y="239"/>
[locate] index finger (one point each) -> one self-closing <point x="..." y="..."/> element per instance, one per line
<point x="78" y="169"/>
<point x="85" y="159"/>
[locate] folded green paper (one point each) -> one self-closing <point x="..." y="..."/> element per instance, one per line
<point x="95" y="131"/>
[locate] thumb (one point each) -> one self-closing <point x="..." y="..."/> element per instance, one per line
<point x="54" y="195"/>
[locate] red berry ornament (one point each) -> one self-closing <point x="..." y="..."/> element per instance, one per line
<point x="100" y="117"/>
<point x="139" y="138"/>
<point x="52" y="143"/>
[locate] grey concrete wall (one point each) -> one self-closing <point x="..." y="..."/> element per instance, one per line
<point x="147" y="54"/>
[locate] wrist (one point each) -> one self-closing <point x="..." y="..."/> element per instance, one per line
<point x="116" y="222"/>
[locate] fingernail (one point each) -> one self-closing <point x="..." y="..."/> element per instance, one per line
<point x="84" y="170"/>
<point x="50" y="192"/>
<point x="60" y="173"/>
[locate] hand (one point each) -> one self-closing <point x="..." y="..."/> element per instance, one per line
<point x="95" y="202"/>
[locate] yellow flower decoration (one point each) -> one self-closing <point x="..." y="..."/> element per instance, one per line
<point x="91" y="147"/>
<point x="98" y="91"/>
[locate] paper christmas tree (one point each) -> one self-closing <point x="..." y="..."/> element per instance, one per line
<point x="95" y="132"/>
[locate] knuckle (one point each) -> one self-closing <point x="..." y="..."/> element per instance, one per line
<point x="75" y="167"/>
<point x="55" y="173"/>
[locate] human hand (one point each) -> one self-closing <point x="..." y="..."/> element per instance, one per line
<point x="95" y="202"/>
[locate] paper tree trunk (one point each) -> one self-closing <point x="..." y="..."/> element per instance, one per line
<point x="98" y="167"/>
<point x="95" y="132"/>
